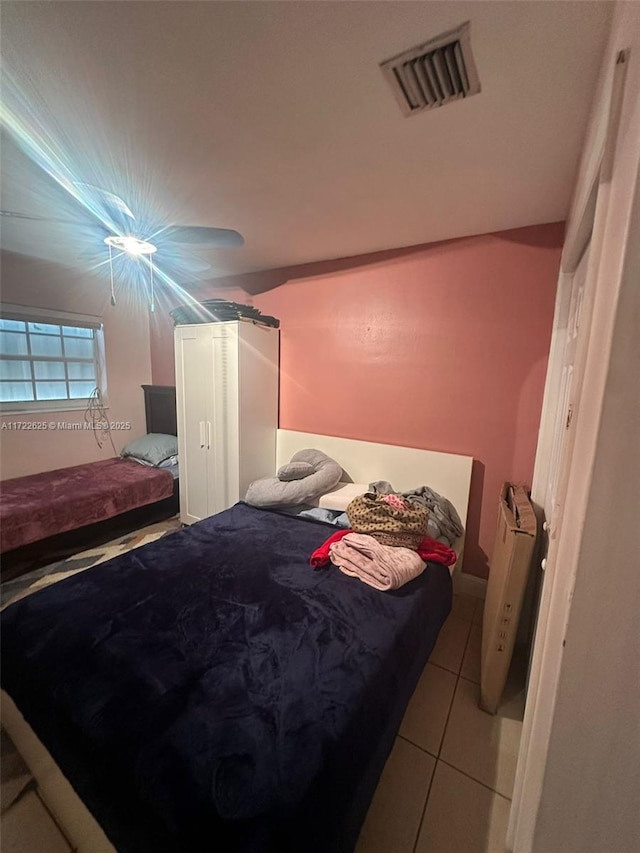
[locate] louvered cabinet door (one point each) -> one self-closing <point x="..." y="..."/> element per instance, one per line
<point x="222" y="417"/>
<point x="227" y="400"/>
<point x="193" y="388"/>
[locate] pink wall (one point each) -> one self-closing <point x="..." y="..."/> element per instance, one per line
<point x="33" y="282"/>
<point x="441" y="346"/>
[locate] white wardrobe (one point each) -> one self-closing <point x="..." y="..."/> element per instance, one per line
<point x="227" y="407"/>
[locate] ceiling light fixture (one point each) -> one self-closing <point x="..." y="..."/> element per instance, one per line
<point x="131" y="245"/>
<point x="136" y="248"/>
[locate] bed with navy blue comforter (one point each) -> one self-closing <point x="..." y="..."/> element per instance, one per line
<point x="212" y="692"/>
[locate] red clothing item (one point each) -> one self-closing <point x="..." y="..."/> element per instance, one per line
<point x="432" y="551"/>
<point x="320" y="556"/>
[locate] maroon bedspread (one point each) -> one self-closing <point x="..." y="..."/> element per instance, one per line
<point x="41" y="505"/>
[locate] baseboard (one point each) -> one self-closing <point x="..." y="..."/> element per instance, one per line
<point x="466" y="584"/>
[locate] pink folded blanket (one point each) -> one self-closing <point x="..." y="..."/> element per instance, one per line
<point x="381" y="566"/>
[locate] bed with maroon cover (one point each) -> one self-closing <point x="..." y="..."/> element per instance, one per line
<point x="47" y="516"/>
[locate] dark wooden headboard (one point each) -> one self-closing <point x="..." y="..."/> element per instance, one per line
<point x="160" y="408"/>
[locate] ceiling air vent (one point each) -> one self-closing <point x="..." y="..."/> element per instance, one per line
<point x="435" y="73"/>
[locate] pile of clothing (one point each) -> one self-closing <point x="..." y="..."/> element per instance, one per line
<point x="387" y="544"/>
<point x="220" y="311"/>
<point x="444" y="522"/>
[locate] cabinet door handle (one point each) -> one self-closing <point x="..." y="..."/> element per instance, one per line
<point x="208" y="435"/>
<point x="202" y="442"/>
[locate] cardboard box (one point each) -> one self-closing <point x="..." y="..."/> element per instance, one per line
<point x="510" y="564"/>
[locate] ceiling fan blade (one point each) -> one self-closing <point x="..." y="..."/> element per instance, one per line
<point x="112" y="204"/>
<point x="14" y="214"/>
<point x="203" y="236"/>
<point x="194" y="265"/>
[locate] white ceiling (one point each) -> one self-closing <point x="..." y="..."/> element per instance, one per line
<point x="273" y="118"/>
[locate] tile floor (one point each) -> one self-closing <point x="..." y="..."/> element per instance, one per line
<point x="447" y="785"/>
<point x="448" y="780"/>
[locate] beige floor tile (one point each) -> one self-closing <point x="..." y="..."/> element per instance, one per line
<point x="478" y="613"/>
<point x="462" y="816"/>
<point x="393" y="820"/>
<point x="450" y="645"/>
<point x="463" y="607"/>
<point x="480" y="745"/>
<point x="29" y="828"/>
<point x="426" y="714"/>
<point x="471" y="660"/>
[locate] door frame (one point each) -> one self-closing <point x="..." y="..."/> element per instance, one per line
<point x="560" y="566"/>
<point x="574" y="485"/>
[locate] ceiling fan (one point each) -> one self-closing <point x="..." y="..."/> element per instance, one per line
<point x="116" y="216"/>
<point x="123" y="234"/>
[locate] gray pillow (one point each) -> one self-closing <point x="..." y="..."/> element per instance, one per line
<point x="295" y="471"/>
<point x="153" y="448"/>
<point x="270" y="491"/>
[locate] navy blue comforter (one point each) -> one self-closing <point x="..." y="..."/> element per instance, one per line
<point x="212" y="692"/>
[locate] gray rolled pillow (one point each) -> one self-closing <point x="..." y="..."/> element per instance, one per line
<point x="152" y="448"/>
<point x="271" y="491"/>
<point x="295" y="471"/>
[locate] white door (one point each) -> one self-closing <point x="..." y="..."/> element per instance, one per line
<point x="192" y="394"/>
<point x="559" y="580"/>
<point x="222" y="417"/>
<point x="568" y="396"/>
<point x="609" y="170"/>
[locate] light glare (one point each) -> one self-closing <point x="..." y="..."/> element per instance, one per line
<point x="131" y="245"/>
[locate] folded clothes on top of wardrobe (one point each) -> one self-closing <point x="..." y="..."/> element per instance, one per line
<point x="220" y="311"/>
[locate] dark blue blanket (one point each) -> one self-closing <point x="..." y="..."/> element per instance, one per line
<point x="211" y="691"/>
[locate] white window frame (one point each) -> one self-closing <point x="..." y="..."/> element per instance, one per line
<point x="59" y="318"/>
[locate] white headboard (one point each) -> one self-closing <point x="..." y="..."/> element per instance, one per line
<point x="404" y="467"/>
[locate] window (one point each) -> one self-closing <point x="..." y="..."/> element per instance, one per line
<point x="47" y="361"/>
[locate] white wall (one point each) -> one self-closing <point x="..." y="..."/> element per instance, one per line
<point x="33" y="282"/>
<point x="585" y="704"/>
